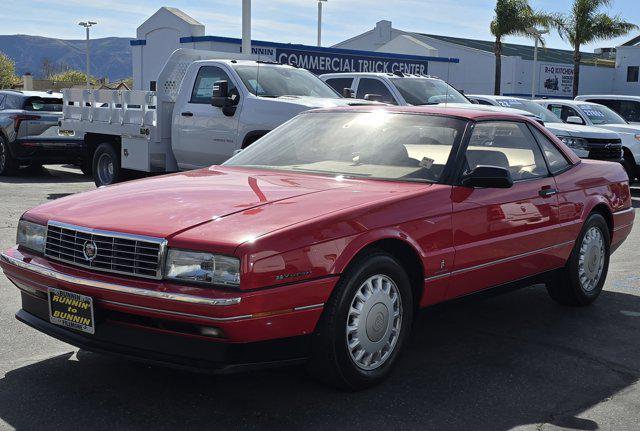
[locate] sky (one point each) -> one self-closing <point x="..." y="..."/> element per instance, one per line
<point x="290" y="21"/>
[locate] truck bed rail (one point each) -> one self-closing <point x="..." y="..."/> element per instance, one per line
<point x="123" y="107"/>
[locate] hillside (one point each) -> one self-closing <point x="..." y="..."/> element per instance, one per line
<point x="110" y="56"/>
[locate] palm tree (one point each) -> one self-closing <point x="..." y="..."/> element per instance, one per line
<point x="586" y="24"/>
<point x="513" y="18"/>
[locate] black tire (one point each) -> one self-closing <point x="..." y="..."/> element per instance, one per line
<point x="331" y="361"/>
<point x="566" y="286"/>
<point x="629" y="166"/>
<point x="106" y="165"/>
<point x="8" y="165"/>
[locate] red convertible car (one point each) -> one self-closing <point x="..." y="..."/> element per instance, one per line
<point x="320" y="241"/>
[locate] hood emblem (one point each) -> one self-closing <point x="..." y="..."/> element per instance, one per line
<point x="90" y="250"/>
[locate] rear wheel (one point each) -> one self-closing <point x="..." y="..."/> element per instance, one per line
<point x="106" y="165"/>
<point x="8" y="165"/>
<point x="629" y="165"/>
<point x="364" y="325"/>
<point x="581" y="281"/>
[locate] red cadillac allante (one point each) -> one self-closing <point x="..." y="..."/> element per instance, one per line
<point x="320" y="241"/>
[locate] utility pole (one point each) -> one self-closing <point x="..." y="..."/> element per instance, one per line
<point x="537" y="36"/>
<point x="246" y="27"/>
<point x="87" y="25"/>
<point x="320" y="21"/>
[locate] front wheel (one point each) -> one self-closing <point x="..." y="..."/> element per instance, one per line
<point x="364" y="325"/>
<point x="106" y="165"/>
<point x="582" y="279"/>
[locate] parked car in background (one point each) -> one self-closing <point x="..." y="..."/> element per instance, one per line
<point x="586" y="142"/>
<point x="394" y="88"/>
<point x="208" y="106"/>
<point x="593" y="114"/>
<point x="628" y="107"/>
<point x="320" y="241"/>
<point x="29" y="132"/>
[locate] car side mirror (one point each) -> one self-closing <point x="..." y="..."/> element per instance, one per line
<point x="373" y="97"/>
<point x="347" y="93"/>
<point x="492" y="177"/>
<point x="574" y="119"/>
<point x="220" y="98"/>
<point x="474" y="101"/>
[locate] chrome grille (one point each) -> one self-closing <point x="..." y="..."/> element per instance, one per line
<point x="114" y="252"/>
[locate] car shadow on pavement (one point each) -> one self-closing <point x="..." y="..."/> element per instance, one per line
<point x="495" y="364"/>
<point x="47" y="174"/>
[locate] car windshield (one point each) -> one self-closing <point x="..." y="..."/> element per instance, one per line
<point x="599" y="114"/>
<point x="527" y="105"/>
<point x="425" y="91"/>
<point x="378" y="145"/>
<point x="43" y="104"/>
<point x="276" y="81"/>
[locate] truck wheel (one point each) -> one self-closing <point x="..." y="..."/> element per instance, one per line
<point x="580" y="282"/>
<point x="8" y="165"/>
<point x="106" y="165"/>
<point x="629" y="165"/>
<point x="364" y="325"/>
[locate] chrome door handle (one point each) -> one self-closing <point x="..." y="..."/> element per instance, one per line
<point x="545" y="193"/>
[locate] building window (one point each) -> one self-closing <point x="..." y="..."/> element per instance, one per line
<point x="632" y="73"/>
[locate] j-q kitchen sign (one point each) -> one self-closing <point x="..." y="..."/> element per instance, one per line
<point x="555" y="80"/>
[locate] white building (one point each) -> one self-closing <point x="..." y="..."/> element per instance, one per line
<point x="467" y="64"/>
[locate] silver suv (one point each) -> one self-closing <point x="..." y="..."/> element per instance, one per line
<point x="29" y="131"/>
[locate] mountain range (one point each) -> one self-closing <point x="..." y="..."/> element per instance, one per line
<point x="110" y="56"/>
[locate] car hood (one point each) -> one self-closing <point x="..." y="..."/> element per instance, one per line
<point x="321" y="102"/>
<point x="575" y="131"/>
<point x="170" y="205"/>
<point x="622" y="128"/>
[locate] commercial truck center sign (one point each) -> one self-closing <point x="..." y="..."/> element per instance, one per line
<point x="321" y="62"/>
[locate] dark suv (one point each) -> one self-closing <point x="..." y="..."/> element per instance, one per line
<point x="29" y="131"/>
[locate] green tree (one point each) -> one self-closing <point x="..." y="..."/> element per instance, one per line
<point x="585" y="24"/>
<point x="8" y="76"/>
<point x="513" y="18"/>
<point x="72" y="76"/>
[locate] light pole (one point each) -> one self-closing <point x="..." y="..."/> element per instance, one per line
<point x="87" y="25"/>
<point x="246" y="27"/>
<point x="537" y="36"/>
<point x="320" y="21"/>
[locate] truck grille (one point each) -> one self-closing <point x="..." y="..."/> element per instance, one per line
<point x="605" y="149"/>
<point x="105" y="251"/>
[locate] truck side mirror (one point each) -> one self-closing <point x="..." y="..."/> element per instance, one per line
<point x="574" y="119"/>
<point x="373" y="97"/>
<point x="347" y="93"/>
<point x="220" y="98"/>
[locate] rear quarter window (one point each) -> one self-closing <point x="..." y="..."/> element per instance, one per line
<point x="43" y="104"/>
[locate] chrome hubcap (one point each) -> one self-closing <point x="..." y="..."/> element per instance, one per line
<point x="105" y="169"/>
<point x="591" y="259"/>
<point x="374" y="322"/>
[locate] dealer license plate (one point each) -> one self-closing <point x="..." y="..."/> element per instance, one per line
<point x="72" y="310"/>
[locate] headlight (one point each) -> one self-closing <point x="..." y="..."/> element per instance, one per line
<point x="575" y="143"/>
<point x="198" y="267"/>
<point x="31" y="235"/>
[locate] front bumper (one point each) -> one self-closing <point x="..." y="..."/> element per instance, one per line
<point x="161" y="322"/>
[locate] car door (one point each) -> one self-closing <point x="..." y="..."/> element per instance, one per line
<point x="502" y="235"/>
<point x="203" y="134"/>
<point x="340" y="83"/>
<point x="375" y="86"/>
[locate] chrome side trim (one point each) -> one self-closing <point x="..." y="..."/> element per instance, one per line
<point x="628" y="210"/>
<point x="308" y="307"/>
<point x="178" y="297"/>
<point x="498" y="261"/>
<point x="176" y="313"/>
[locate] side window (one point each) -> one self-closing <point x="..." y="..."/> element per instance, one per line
<point x="374" y="86"/>
<point x="568" y="111"/>
<point x="203" y="87"/>
<point x="339" y="84"/>
<point x="508" y="145"/>
<point x="12" y="102"/>
<point x="629" y="110"/>
<point x="483" y="102"/>
<point x="1" y="102"/>
<point x="632" y="73"/>
<point x="555" y="159"/>
<point x="612" y="104"/>
<point x="556" y="109"/>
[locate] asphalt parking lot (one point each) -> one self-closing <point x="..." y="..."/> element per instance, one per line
<point x="515" y="361"/>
